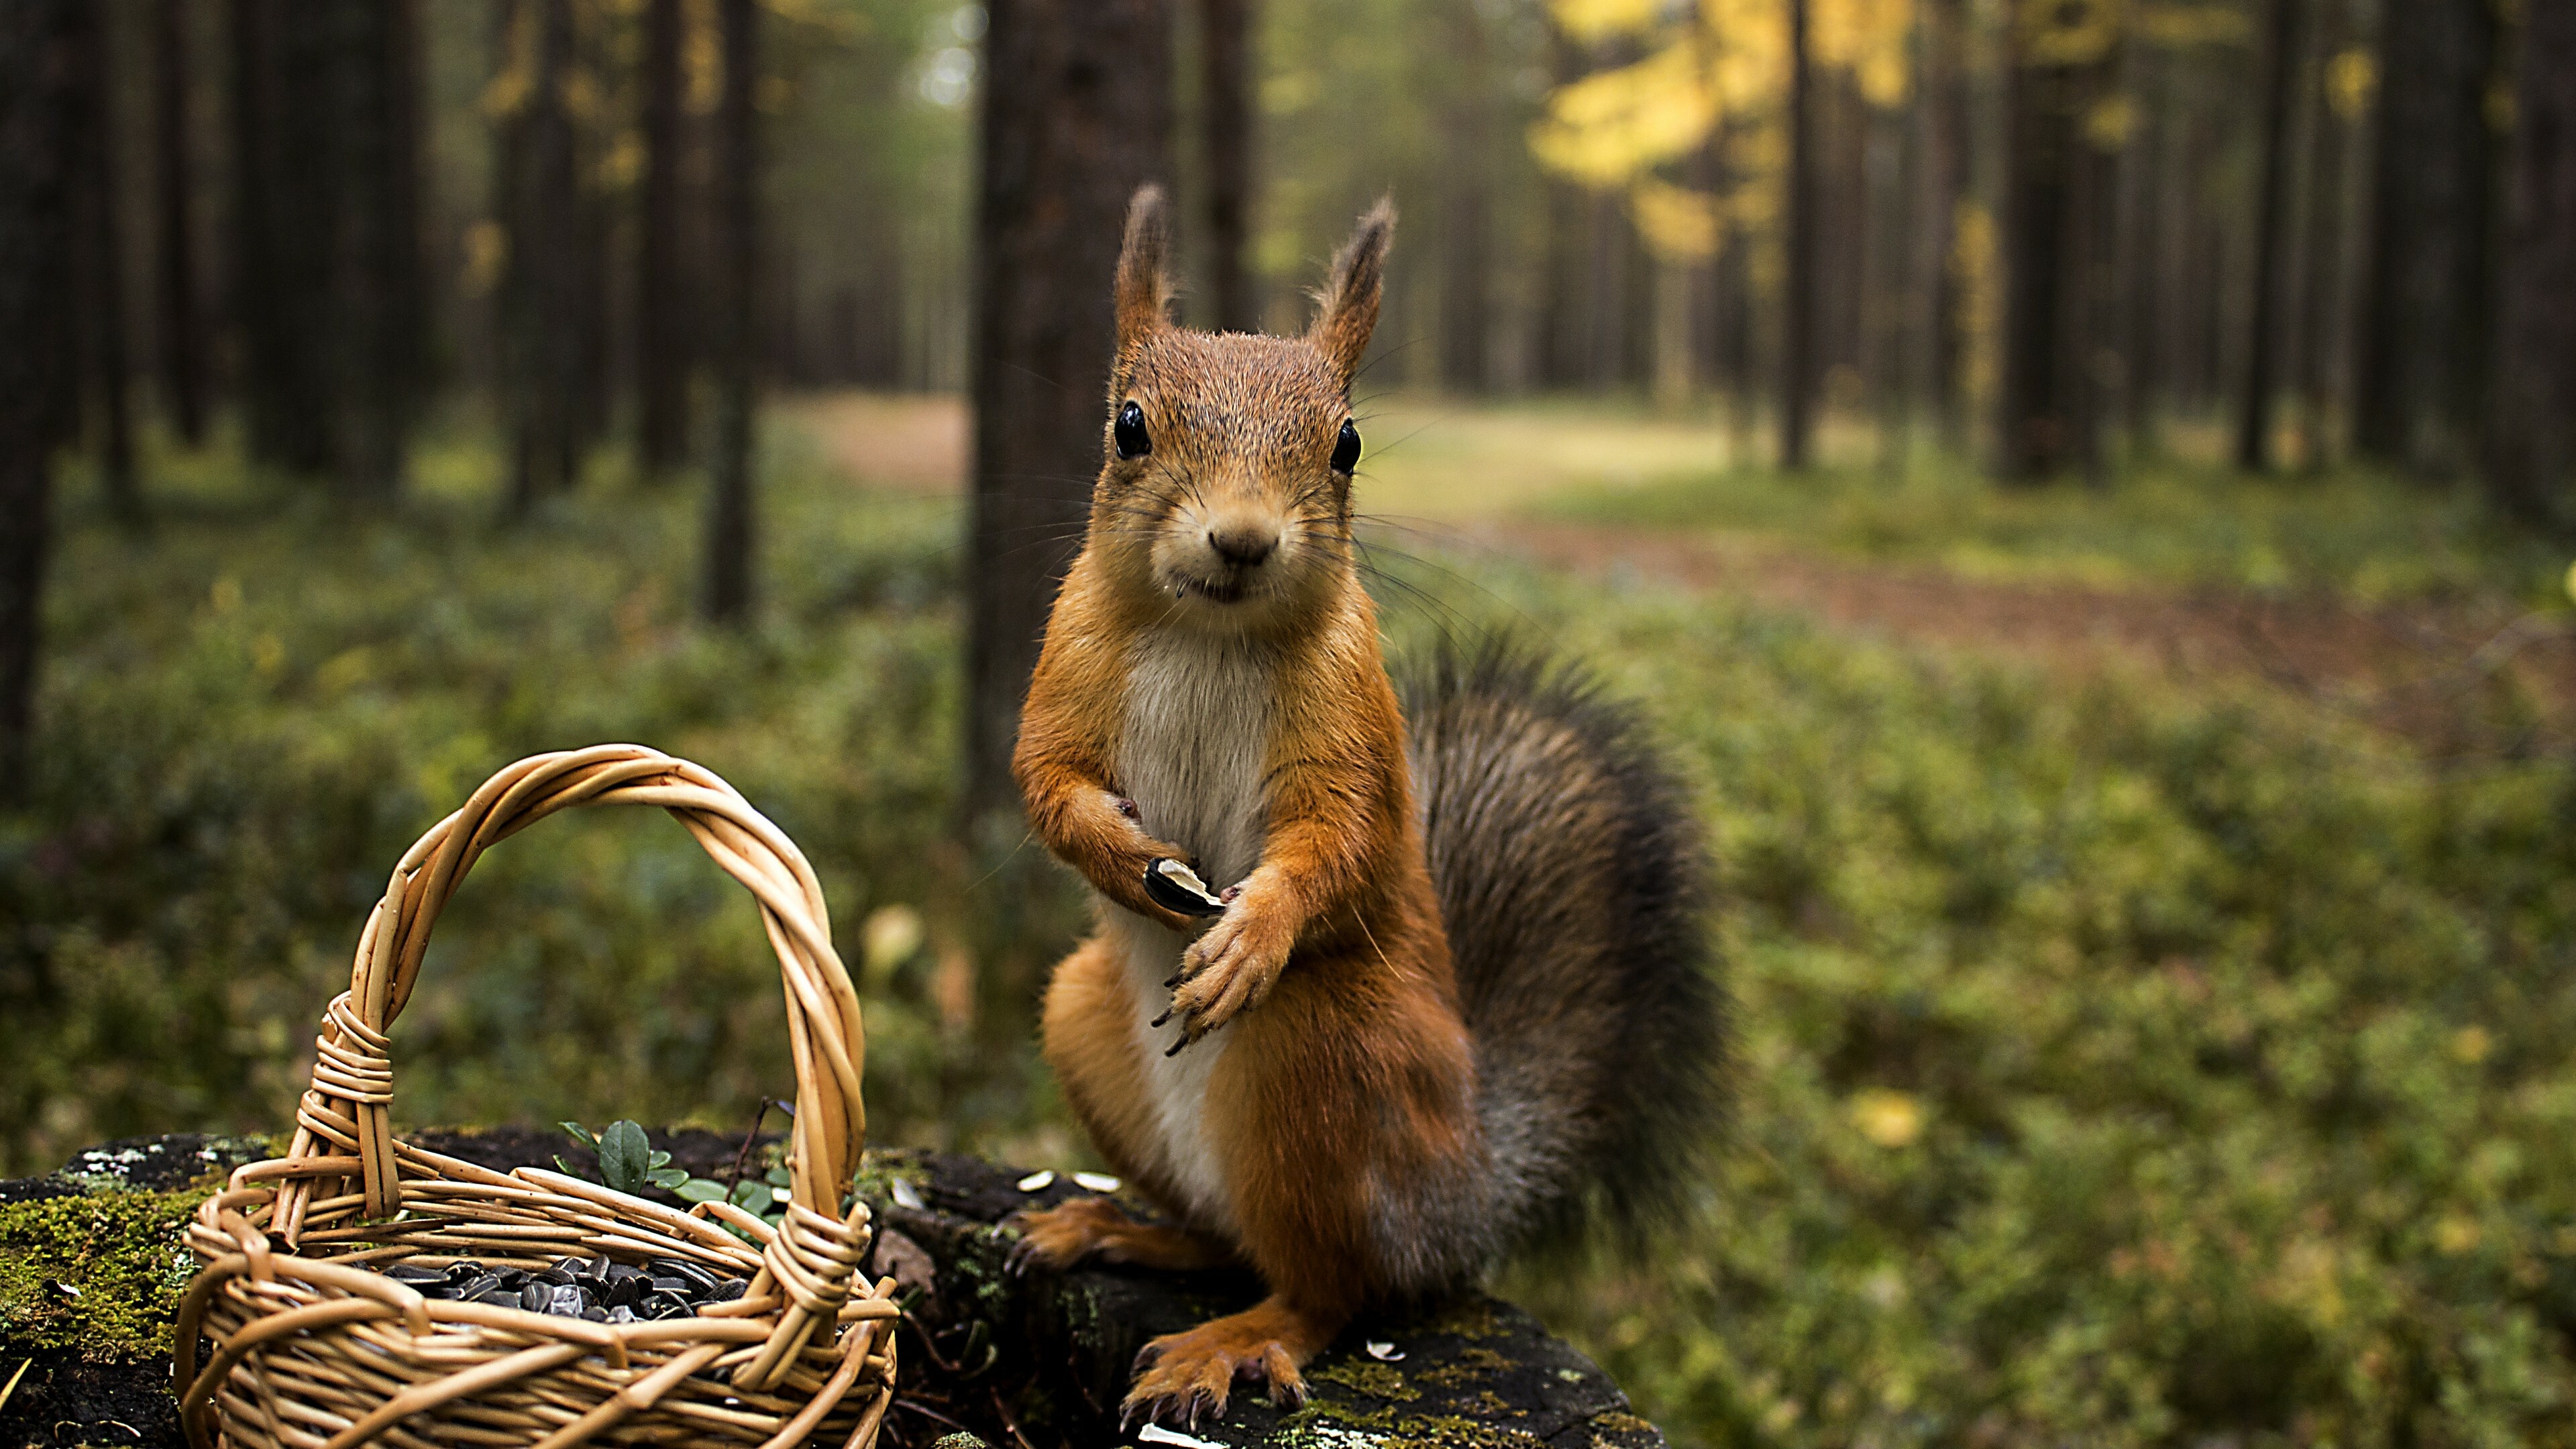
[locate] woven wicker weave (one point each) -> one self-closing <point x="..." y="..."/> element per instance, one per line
<point x="313" y="1350"/>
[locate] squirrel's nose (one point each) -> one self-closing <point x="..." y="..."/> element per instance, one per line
<point x="1244" y="544"/>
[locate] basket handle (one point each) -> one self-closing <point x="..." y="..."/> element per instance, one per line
<point x="347" y="1107"/>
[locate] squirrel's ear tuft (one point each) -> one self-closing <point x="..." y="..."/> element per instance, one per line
<point x="1144" y="269"/>
<point x="1350" y="294"/>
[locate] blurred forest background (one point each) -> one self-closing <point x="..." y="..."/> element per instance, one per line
<point x="2084" y="485"/>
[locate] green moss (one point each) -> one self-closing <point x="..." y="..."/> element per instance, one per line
<point x="880" y="1171"/>
<point x="1373" y="1379"/>
<point x="1450" y="1431"/>
<point x="119" y="1251"/>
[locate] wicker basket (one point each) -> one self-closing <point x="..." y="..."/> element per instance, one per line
<point x="313" y="1350"/>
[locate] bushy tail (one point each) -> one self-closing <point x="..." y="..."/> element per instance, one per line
<point x="1574" y="882"/>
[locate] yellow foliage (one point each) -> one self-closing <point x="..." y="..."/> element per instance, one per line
<point x="1890" y="1119"/>
<point x="1679" y="224"/>
<point x="2352" y="79"/>
<point x="487" y="256"/>
<point x="2067" y="32"/>
<point x="701" y="58"/>
<point x="2110" y="122"/>
<point x="1748" y="52"/>
<point x="623" y="165"/>
<point x="1593" y="20"/>
<point x="2471" y="1044"/>
<point x="1975" y="273"/>
<point x="2201" y="24"/>
<point x="508" y="90"/>
<point x="1869" y="38"/>
<point x="1610" y="126"/>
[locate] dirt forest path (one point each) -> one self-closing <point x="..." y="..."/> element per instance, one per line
<point x="2423" y="670"/>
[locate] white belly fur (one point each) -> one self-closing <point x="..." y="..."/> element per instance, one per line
<point x="1198" y="717"/>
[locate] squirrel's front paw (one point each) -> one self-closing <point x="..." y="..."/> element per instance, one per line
<point x="1063" y="1235"/>
<point x="1229" y="970"/>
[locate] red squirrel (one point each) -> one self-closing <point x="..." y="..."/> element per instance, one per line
<point x="1454" y="992"/>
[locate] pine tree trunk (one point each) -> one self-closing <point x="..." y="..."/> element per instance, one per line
<point x="251" y="38"/>
<point x="2324" y="340"/>
<point x="2271" y="240"/>
<point x="38" y="115"/>
<point x="1563" y="337"/>
<point x="2046" y="392"/>
<point x="731" y="535"/>
<point x="541" y="300"/>
<point x="1076" y="112"/>
<point x="1943" y="124"/>
<point x="661" y="333"/>
<point x="2531" y="441"/>
<point x="2143" y="236"/>
<point x="374" y="341"/>
<point x="1465" y="256"/>
<point x="1225" y="101"/>
<point x="182" y="326"/>
<point x="2424" y="347"/>
<point x="1798" y="305"/>
<point x="100" y="263"/>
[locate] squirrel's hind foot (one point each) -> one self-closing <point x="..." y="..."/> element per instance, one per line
<point x="1182" y="1376"/>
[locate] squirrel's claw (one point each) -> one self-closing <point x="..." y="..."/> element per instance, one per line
<point x="1227" y="972"/>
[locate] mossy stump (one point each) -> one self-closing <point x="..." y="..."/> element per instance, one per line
<point x="91" y="1270"/>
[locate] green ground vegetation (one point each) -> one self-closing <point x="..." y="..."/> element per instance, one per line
<point x="2120" y="1060"/>
<point x="2179" y="519"/>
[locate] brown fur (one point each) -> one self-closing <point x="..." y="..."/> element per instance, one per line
<point x="1344" y="1098"/>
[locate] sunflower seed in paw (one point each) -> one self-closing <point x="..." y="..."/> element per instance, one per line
<point x="1175" y="887"/>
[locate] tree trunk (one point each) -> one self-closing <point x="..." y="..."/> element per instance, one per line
<point x="2423" y="351"/>
<point x="2046" y="397"/>
<point x="38" y="114"/>
<point x="2271" y="240"/>
<point x="182" y="327"/>
<point x="286" y="160"/>
<point x="2531" y="441"/>
<point x="266" y="405"/>
<point x="1562" y="334"/>
<point x="1076" y="111"/>
<point x="2324" y="340"/>
<point x="100" y="264"/>
<point x="2144" y="232"/>
<point x="1798" y="306"/>
<point x="1465" y="256"/>
<point x="329" y="289"/>
<point x="1225" y="100"/>
<point x="374" y="341"/>
<point x="541" y="300"/>
<point x="661" y="332"/>
<point x="730" y="532"/>
<point x="1943" y="121"/>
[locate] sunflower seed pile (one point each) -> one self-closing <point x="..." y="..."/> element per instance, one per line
<point x="594" y="1289"/>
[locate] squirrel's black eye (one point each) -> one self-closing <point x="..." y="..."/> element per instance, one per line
<point x="1346" y="448"/>
<point x="1130" y="432"/>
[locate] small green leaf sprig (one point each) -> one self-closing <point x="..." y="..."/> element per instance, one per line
<point x="628" y="1163"/>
